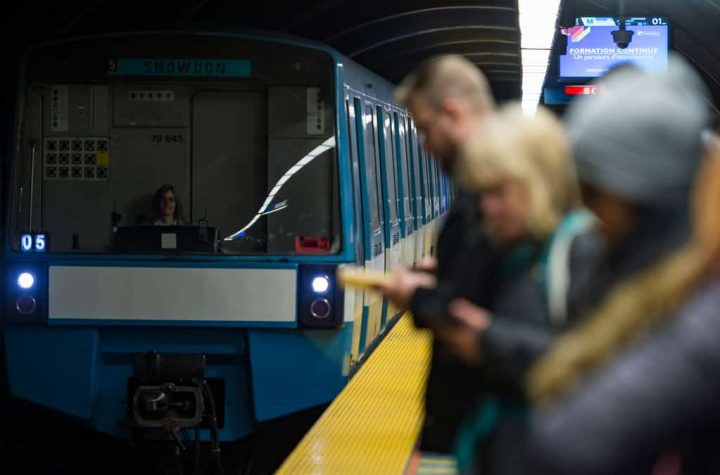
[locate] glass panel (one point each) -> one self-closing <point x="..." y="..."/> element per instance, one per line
<point x="247" y="148"/>
<point x="358" y="224"/>
<point x="389" y="164"/>
<point x="372" y="166"/>
<point x="403" y="164"/>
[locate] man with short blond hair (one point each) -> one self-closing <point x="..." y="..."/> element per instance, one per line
<point x="449" y="99"/>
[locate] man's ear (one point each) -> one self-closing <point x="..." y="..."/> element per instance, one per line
<point x="452" y="108"/>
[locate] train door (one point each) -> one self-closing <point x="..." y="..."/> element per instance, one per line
<point x="404" y="191"/>
<point x="373" y="218"/>
<point x="361" y="222"/>
<point x="391" y="197"/>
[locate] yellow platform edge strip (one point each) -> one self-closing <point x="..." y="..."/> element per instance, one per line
<point x="373" y="424"/>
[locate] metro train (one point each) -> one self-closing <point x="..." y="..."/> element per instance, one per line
<point x="290" y="161"/>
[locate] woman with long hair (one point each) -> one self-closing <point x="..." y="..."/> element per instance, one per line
<point x="638" y="378"/>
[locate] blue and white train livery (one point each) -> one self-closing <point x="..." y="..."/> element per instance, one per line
<point x="287" y="160"/>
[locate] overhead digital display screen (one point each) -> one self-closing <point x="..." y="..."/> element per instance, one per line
<point x="591" y="51"/>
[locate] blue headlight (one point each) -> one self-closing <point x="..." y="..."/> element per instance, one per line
<point x="26" y="280"/>
<point x="320" y="284"/>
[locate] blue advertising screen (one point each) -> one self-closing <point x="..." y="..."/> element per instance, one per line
<point x="591" y="51"/>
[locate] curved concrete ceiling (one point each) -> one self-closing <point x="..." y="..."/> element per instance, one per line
<point x="387" y="36"/>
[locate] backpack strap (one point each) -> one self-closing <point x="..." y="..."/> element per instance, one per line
<point x="556" y="265"/>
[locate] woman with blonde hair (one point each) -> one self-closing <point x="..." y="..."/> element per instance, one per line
<point x="530" y="205"/>
<point x="635" y="387"/>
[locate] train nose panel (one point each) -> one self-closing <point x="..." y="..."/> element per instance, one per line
<point x="124" y="295"/>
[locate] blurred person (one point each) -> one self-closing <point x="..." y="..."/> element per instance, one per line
<point x="529" y="199"/>
<point x="634" y="388"/>
<point x="449" y="99"/>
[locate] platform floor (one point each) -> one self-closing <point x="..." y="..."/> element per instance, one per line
<point x="372" y="427"/>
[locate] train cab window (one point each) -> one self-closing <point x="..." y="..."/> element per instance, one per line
<point x="249" y="146"/>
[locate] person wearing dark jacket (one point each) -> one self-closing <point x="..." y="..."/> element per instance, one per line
<point x="449" y="99"/>
<point x="530" y="202"/>
<point x="606" y="406"/>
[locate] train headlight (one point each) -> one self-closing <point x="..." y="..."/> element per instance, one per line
<point x="25" y="292"/>
<point x="26" y="280"/>
<point x="320" y="300"/>
<point x="320" y="284"/>
<point x="320" y="308"/>
<point x="25" y="304"/>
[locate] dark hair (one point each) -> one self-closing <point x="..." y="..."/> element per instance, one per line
<point x="157" y="202"/>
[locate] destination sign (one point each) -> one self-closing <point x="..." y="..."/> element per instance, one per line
<point x="179" y="67"/>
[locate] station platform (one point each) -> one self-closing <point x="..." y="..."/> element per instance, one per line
<point x="372" y="427"/>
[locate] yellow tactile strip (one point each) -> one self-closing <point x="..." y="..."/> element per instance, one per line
<point x="373" y="424"/>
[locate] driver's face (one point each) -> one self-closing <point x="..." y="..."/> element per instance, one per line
<point x="167" y="203"/>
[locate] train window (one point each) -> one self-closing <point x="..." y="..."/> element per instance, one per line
<point x="436" y="187"/>
<point x="372" y="167"/>
<point x="250" y="152"/>
<point x="446" y="198"/>
<point x="385" y="136"/>
<point x="403" y="171"/>
<point x="414" y="173"/>
<point x="430" y="186"/>
<point x="442" y="190"/>
<point x="422" y="169"/>
<point x="353" y="149"/>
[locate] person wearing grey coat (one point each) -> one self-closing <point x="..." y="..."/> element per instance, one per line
<point x="646" y="398"/>
<point x="663" y="394"/>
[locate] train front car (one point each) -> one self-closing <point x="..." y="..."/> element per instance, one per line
<point x="230" y="311"/>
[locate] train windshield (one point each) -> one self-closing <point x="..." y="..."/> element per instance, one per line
<point x="172" y="144"/>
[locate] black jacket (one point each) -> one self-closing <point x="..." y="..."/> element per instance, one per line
<point x="465" y="262"/>
<point x="521" y="329"/>
<point x="663" y="393"/>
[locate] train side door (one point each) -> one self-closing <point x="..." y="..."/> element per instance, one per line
<point x="391" y="198"/>
<point x="361" y="224"/>
<point x="404" y="189"/>
<point x="373" y="217"/>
